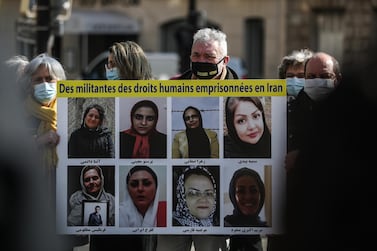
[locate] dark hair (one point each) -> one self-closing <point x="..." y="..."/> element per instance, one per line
<point x="145" y="103"/>
<point x="141" y="168"/>
<point x="230" y="107"/>
<point x="100" y="110"/>
<point x="244" y="171"/>
<point x="195" y="109"/>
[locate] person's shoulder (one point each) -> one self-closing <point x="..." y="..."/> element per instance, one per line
<point x="77" y="131"/>
<point x="105" y="130"/>
<point x="303" y="98"/>
<point x="231" y="74"/>
<point x="228" y="139"/>
<point x="180" y="134"/>
<point x="76" y="197"/>
<point x="161" y="134"/>
<point x="227" y="220"/>
<point x="210" y="132"/>
<point x="109" y="195"/>
<point x="125" y="136"/>
<point x="78" y="192"/>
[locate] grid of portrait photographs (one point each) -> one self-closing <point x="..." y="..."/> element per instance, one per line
<point x="171" y="165"/>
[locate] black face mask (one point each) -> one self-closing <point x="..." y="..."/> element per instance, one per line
<point x="205" y="70"/>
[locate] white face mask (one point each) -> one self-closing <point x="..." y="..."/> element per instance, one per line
<point x="318" y="88"/>
<point x="45" y="92"/>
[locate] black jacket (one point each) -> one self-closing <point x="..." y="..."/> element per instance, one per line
<point x="85" y="143"/>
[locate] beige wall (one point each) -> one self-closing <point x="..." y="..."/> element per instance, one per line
<point x="287" y="24"/>
<point x="231" y="15"/>
<point x="8" y="15"/>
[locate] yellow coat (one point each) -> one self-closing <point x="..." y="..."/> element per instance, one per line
<point x="180" y="144"/>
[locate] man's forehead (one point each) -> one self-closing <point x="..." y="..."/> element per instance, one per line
<point x="205" y="45"/>
<point x="321" y="62"/>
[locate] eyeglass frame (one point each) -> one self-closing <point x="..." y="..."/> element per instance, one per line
<point x="196" y="194"/>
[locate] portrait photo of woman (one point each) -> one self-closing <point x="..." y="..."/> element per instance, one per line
<point x="247" y="134"/>
<point x="195" y="128"/>
<point x="90" y="183"/>
<point x="196" y="195"/>
<point x="247" y="194"/>
<point x="143" y="128"/>
<point x="92" y="139"/>
<point x="142" y="196"/>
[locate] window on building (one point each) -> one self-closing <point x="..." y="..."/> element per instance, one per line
<point x="255" y="43"/>
<point x="329" y="32"/>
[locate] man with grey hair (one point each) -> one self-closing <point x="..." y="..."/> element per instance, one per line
<point x="209" y="57"/>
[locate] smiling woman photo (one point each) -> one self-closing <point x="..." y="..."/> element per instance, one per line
<point x="92" y="139"/>
<point x="195" y="141"/>
<point x="248" y="135"/>
<point x="247" y="194"/>
<point x="196" y="198"/>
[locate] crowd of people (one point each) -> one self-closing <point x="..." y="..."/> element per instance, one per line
<point x="323" y="145"/>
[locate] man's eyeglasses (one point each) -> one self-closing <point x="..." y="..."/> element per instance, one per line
<point x="194" y="116"/>
<point x="149" y="118"/>
<point x="323" y="75"/>
<point x="196" y="194"/>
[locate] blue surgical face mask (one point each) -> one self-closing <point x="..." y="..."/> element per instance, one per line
<point x="294" y="86"/>
<point x="45" y="92"/>
<point x="112" y="74"/>
<point x="319" y="88"/>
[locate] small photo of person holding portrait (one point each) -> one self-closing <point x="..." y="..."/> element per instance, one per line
<point x="88" y="188"/>
<point x="95" y="218"/>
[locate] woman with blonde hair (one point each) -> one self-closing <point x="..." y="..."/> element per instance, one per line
<point x="127" y="60"/>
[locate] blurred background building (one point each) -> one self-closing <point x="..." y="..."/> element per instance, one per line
<point x="260" y="32"/>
